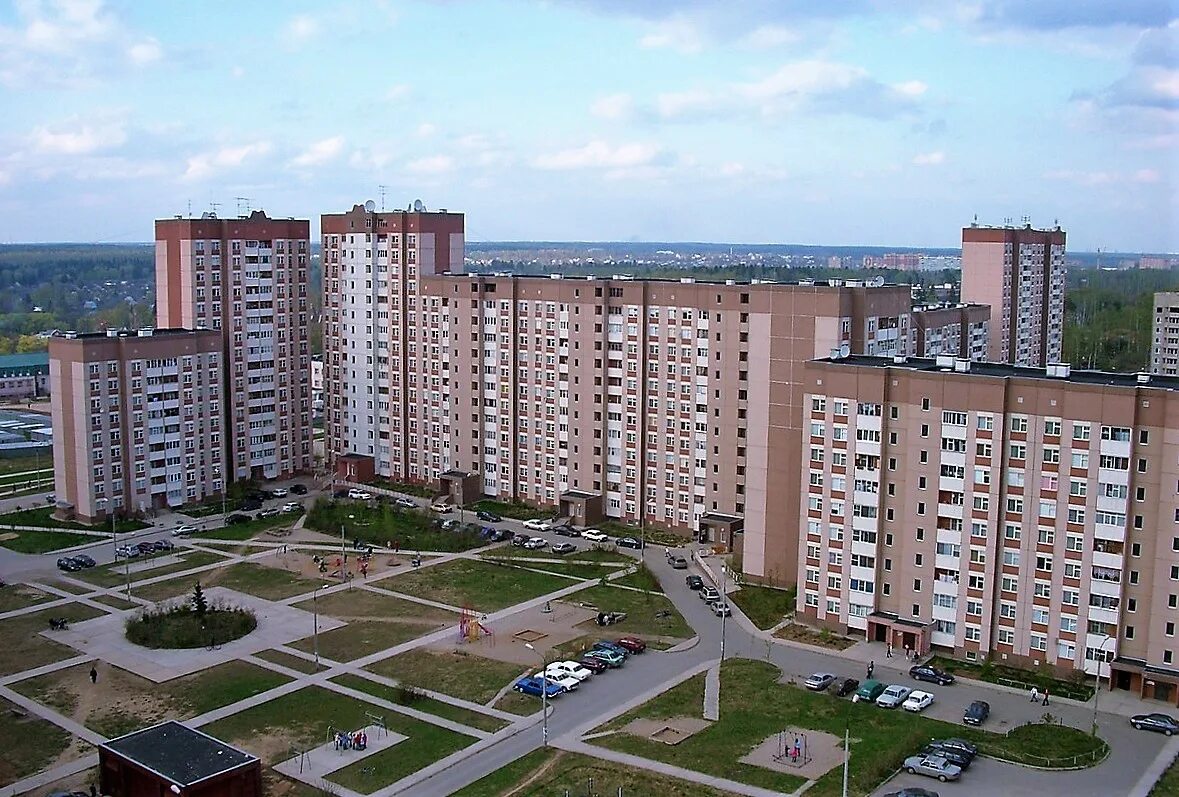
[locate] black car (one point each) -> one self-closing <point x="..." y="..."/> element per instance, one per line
<point x="955" y="757"/>
<point x="299" y="489"/>
<point x="68" y="564"/>
<point x="164" y="545"/>
<point x="977" y="712"/>
<point x="694" y="582"/>
<point x="629" y="542"/>
<point x="593" y="664"/>
<point x="490" y="517"/>
<point x="846" y="687"/>
<point x="520" y="539"/>
<point x="1160" y="723"/>
<point x="924" y="672"/>
<point x="84" y="560"/>
<point x="250" y="504"/>
<point x="237" y="518"/>
<point x="565" y="531"/>
<point x="912" y="791"/>
<point x="340" y="494"/>
<point x="960" y="745"/>
<point x="500" y="535"/>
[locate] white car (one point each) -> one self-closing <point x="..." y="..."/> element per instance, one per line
<point x="292" y="506"/>
<point x="893" y="696"/>
<point x="917" y="701"/>
<point x="181" y="531"/>
<point x="360" y="495"/>
<point x="566" y="682"/>
<point x="538" y="524"/>
<point x="565" y="669"/>
<point x="404" y="502"/>
<point x="441" y="508"/>
<point x="593" y="535"/>
<point x="279" y="492"/>
<point x="536" y="543"/>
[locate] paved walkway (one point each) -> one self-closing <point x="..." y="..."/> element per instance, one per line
<point x="1156" y="769"/>
<point x="712" y="688"/>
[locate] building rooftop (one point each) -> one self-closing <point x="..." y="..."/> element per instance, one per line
<point x="34" y="362"/>
<point x="178" y="753"/>
<point x="1056" y="373"/>
<point x="853" y="282"/>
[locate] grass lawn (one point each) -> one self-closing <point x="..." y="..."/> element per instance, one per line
<point x="112" y="575"/>
<point x="25" y="648"/>
<point x="1168" y="784"/>
<point x="210" y="508"/>
<point x="43" y="516"/>
<point x="518" y="703"/>
<point x="653" y="536"/>
<point x="42" y="541"/>
<point x="605" y="555"/>
<point x="764" y="606"/>
<point x="362" y="637"/>
<point x="24" y="464"/>
<point x="115" y="602"/>
<point x="642" y="579"/>
<point x="426" y="744"/>
<point x="351" y="604"/>
<point x="379" y="522"/>
<point x="484" y="586"/>
<point x="514" y="510"/>
<point x="642" y="610"/>
<point x="291" y="662"/>
<point x="555" y="772"/>
<point x="18" y="596"/>
<point x="420" y="490"/>
<point x="823" y="638"/>
<point x="460" y="675"/>
<point x="249" y="529"/>
<point x="404" y="697"/>
<point x="30" y="744"/>
<point x="573" y="569"/>
<point x="1013" y="676"/>
<point x="271" y="583"/>
<point x="754" y="707"/>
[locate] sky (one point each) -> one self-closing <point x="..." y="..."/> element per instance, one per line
<point x="747" y="121"/>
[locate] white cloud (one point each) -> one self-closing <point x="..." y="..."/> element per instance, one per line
<point x="145" y="52"/>
<point x="397" y="92"/>
<point x="432" y="164"/>
<point x="612" y="106"/>
<point x="320" y="152"/>
<point x="425" y="130"/>
<point x="732" y="169"/>
<point x="910" y="88"/>
<point x="78" y="139"/>
<point x="301" y="27"/>
<point x="766" y="37"/>
<point x="206" y="164"/>
<point x="599" y="155"/>
<point x="691" y="102"/>
<point x="930" y="158"/>
<point x="1147" y="176"/>
<point x="1085" y="178"/>
<point x="677" y="33"/>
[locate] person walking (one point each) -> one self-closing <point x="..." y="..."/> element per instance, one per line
<point x="1045" y="698"/>
<point x="93" y="675"/>
<point x="871" y="668"/>
<point x="888" y="651"/>
<point x="1033" y="695"/>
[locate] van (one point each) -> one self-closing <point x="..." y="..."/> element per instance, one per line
<point x="869" y="690"/>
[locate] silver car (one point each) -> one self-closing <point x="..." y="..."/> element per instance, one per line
<point x="893" y="696"/>
<point x="933" y="766"/>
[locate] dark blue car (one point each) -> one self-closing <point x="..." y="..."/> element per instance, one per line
<point x="531" y="685"/>
<point x="606" y="644"/>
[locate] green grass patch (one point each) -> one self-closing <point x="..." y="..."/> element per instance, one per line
<point x="764" y="606"/>
<point x="24" y="464"/>
<point x="18" y="596"/>
<point x="363" y="603"/>
<point x="643" y="578"/>
<point x="68" y="586"/>
<point x="379" y="523"/>
<point x="210" y="508"/>
<point x="647" y="613"/>
<point x="823" y="637"/>
<point x="517" y="703"/>
<point x="460" y="675"/>
<point x="25" y="648"/>
<point x="426" y="744"/>
<point x="115" y="602"/>
<point x="653" y="536"/>
<point x="608" y="555"/>
<point x="578" y="570"/>
<point x="249" y="529"/>
<point x="1014" y="677"/>
<point x="420" y="490"/>
<point x="408" y="696"/>
<point x="516" y="510"/>
<point x="30" y="744"/>
<point x="42" y="541"/>
<point x="43" y="517"/>
<point x="114" y="575"/>
<point x="1168" y="784"/>
<point x="362" y="637"/>
<point x="288" y="660"/>
<point x="271" y="583"/>
<point x="486" y="587"/>
<point x="179" y="627"/>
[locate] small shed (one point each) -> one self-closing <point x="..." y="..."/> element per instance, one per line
<point x="172" y="759"/>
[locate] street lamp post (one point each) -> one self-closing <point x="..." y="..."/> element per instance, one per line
<point x="315" y="621"/>
<point x="221" y="478"/>
<point x="544" y="698"/>
<point x="1097" y="688"/>
<point x="724" y="614"/>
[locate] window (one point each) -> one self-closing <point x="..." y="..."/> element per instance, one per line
<point x="1044" y="562"/>
<point x="1051" y="428"/>
<point x="1019" y="423"/>
<point x="984" y="422"/>
<point x="1080" y="431"/>
<point x="1080" y="460"/>
<point x="1011" y="557"/>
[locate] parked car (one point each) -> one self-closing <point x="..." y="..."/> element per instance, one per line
<point x="820" y="681"/>
<point x="521" y="539"/>
<point x="629" y="542"/>
<point x="977" y="712"/>
<point x="593" y="535"/>
<point x="298" y="489"/>
<point x="678" y="563"/>
<point x="565" y="531"/>
<point x="146" y="547"/>
<point x="536" y="543"/>
<point x="405" y="502"/>
<point x="340" y="494"/>
<point x="273" y="511"/>
<point x="956" y="757"/>
<point x="893" y="696"/>
<point x="254" y="504"/>
<point x="593" y="664"/>
<point x="183" y="531"/>
<point x="69" y="564"/>
<point x="360" y="495"/>
<point x="490" y="517"/>
<point x="869" y="690"/>
<point x="500" y="535"/>
<point x="925" y="672"/>
<point x="912" y="791"/>
<point x="279" y="492"/>
<point x="917" y="701"/>
<point x="694" y="582"/>
<point x="961" y="745"/>
<point x="567" y="682"/>
<point x="932" y="766"/>
<point x="1160" y="723"/>
<point x="538" y="524"/>
<point x="568" y="669"/>
<point x="530" y="685"/>
<point x="632" y="644"/>
<point x="165" y="545"/>
<point x="612" y="658"/>
<point x="611" y="645"/>
<point x="84" y="560"/>
<point x="126" y="552"/>
<point x="447" y="525"/>
<point x="721" y="609"/>
<point x="563" y="548"/>
<point x="441" y="507"/>
<point x="709" y="594"/>
<point x="846" y="687"/>
<point x="292" y="506"/>
<point x="237" y="518"/>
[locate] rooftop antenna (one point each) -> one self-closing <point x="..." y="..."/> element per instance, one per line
<point x="190" y="208"/>
<point x="214" y="206"/>
<point x="975" y="222"/>
<point x="381" y="189"/>
<point x="242" y="201"/>
<point x="1027" y="221"/>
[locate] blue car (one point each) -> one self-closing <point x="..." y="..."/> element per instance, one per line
<point x="531" y="685"/>
<point x="614" y="647"/>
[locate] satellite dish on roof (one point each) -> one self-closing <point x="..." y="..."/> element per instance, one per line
<point x="370" y="206"/>
<point x="419" y="206"/>
<point x="877" y="282"/>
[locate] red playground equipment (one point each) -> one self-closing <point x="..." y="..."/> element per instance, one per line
<point x="471" y="627"/>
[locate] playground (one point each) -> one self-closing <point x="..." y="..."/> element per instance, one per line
<point x="544" y="630"/>
<point x="798" y="751"/>
<point x="335" y="566"/>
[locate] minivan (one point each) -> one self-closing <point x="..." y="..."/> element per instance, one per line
<point x="869" y="690"/>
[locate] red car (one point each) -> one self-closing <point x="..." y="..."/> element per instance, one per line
<point x="632" y="644"/>
<point x="593" y="665"/>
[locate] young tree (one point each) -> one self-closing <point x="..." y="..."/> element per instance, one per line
<point x="200" y="604"/>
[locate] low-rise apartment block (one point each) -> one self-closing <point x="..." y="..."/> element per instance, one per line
<point x="137" y="419"/>
<point x="959" y="330"/>
<point x="1164" y="342"/>
<point x="1026" y="515"/>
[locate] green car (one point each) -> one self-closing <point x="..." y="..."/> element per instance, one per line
<point x="869" y="690"/>
<point x="610" y="657"/>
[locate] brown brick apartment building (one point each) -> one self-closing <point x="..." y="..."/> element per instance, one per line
<point x="1028" y="515"/>
<point x="959" y="330"/>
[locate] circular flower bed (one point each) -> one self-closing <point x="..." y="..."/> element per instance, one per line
<point x="183" y="627"/>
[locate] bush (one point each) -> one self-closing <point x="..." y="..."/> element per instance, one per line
<point x="179" y="626"/>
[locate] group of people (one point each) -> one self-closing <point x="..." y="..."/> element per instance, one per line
<point x="357" y="740"/>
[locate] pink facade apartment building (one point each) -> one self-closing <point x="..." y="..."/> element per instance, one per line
<point x="959" y="330"/>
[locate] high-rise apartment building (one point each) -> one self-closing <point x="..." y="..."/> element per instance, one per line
<point x="959" y="330"/>
<point x="1026" y="515"/>
<point x="1164" y="341"/>
<point x="247" y="278"/>
<point x="137" y="420"/>
<point x="385" y="341"/>
<point x="1020" y="273"/>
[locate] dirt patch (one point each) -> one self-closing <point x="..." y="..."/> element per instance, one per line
<point x="672" y="730"/>
<point x="8" y="535"/>
<point x="543" y="630"/>
<point x="796" y="632"/>
<point x="333" y="564"/>
<point x="807" y="753"/>
<point x="274" y="745"/>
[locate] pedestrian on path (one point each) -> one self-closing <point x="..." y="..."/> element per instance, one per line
<point x="1033" y="695"/>
<point x="93" y="791"/>
<point x="888" y="651"/>
<point x="93" y="675"/>
<point x="1045" y="698"/>
<point x="871" y="667"/>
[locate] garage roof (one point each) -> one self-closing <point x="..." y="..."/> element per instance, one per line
<point x="178" y="753"/>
